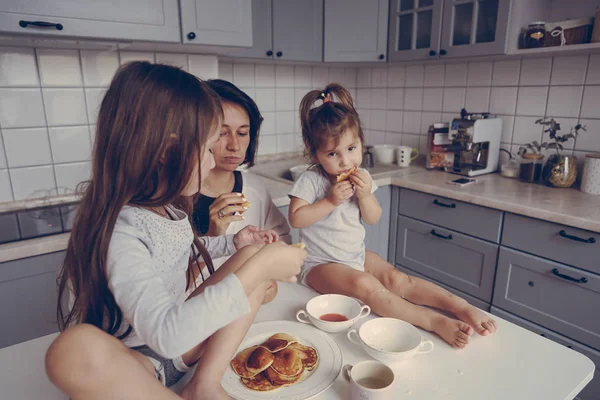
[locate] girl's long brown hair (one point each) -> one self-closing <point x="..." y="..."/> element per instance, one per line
<point x="149" y="111"/>
<point x="329" y="119"/>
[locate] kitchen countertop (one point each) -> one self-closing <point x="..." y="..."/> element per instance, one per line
<point x="569" y="207"/>
<point x="512" y="364"/>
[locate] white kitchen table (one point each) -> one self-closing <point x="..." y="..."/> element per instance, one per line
<point x="512" y="364"/>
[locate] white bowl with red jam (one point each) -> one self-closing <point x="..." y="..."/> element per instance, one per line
<point x="333" y="313"/>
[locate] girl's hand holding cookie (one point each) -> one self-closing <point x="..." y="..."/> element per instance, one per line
<point x="362" y="184"/>
<point x="226" y="209"/>
<point x="340" y="192"/>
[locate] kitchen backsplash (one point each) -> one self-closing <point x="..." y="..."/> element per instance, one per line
<point x="49" y="100"/>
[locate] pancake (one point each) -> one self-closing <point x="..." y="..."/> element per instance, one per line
<point x="287" y="362"/>
<point x="346" y="175"/>
<point x="308" y="355"/>
<point x="278" y="342"/>
<point x="277" y="379"/>
<point x="259" y="360"/>
<point x="259" y="383"/>
<point x="238" y="364"/>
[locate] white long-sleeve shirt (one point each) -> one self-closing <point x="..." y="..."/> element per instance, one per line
<point x="146" y="269"/>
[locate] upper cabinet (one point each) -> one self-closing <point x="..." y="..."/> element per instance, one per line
<point x="356" y="30"/>
<point x="144" y="20"/>
<point x="219" y="23"/>
<point x="421" y="29"/>
<point x="286" y="30"/>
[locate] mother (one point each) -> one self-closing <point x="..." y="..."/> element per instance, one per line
<point x="219" y="209"/>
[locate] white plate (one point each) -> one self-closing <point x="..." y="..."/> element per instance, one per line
<point x="316" y="381"/>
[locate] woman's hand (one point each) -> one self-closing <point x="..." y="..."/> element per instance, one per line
<point x="252" y="235"/>
<point x="362" y="184"/>
<point x="340" y="192"/>
<point x="221" y="213"/>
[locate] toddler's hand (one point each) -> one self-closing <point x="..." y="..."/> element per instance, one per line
<point x="362" y="184"/>
<point x="252" y="235"/>
<point x="282" y="261"/>
<point x="340" y="192"/>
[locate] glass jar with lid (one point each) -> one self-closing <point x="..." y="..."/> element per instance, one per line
<point x="530" y="167"/>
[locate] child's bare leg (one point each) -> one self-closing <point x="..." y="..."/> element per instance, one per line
<point x="420" y="291"/>
<point x="89" y="364"/>
<point x="220" y="348"/>
<point x="342" y="279"/>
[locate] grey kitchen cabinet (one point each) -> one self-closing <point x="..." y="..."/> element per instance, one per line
<point x="592" y="390"/>
<point x="29" y="295"/>
<point x="9" y="228"/>
<point x="471" y="219"/>
<point x="219" y="23"/>
<point x="422" y="29"/>
<point x="572" y="246"/>
<point x="286" y="30"/>
<point x="293" y="232"/>
<point x="355" y="30"/>
<point x="558" y="297"/>
<point x="145" y="20"/>
<point x="414" y="32"/>
<point x="470" y="299"/>
<point x="460" y="261"/>
<point x="377" y="236"/>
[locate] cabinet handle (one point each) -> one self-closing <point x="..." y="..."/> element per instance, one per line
<point x="381" y="57"/>
<point x="279" y="54"/>
<point x="569" y="278"/>
<point x="191" y="36"/>
<point x="443" y="52"/>
<point x="40" y="24"/>
<point x="269" y="53"/>
<point x="432" y="53"/>
<point x="439" y="203"/>
<point x="575" y="238"/>
<point x="434" y="233"/>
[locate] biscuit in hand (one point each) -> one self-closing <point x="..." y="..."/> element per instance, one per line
<point x="346" y="175"/>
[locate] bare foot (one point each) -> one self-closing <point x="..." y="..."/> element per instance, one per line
<point x="455" y="332"/>
<point x="199" y="391"/>
<point x="481" y="322"/>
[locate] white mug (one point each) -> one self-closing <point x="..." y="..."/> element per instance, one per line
<point x="369" y="380"/>
<point x="404" y="155"/>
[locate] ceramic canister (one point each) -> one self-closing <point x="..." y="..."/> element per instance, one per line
<point x="590" y="182"/>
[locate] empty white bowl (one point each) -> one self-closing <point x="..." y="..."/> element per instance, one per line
<point x="297" y="170"/>
<point x="390" y="340"/>
<point x="333" y="304"/>
<point x="384" y="153"/>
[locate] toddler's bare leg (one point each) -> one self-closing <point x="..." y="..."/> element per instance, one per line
<point x="420" y="291"/>
<point x="342" y="279"/>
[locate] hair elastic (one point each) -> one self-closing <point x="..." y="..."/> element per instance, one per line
<point x="326" y="97"/>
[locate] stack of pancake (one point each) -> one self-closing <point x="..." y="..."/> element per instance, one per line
<point x="280" y="361"/>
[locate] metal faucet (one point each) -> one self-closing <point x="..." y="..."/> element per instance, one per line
<point x="367" y="161"/>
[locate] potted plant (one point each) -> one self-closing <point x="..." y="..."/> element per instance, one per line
<point x="560" y="170"/>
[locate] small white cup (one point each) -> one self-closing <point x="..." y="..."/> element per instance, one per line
<point x="369" y="380"/>
<point x="332" y="304"/>
<point x="404" y="155"/>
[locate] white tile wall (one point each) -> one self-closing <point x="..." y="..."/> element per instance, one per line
<point x="518" y="91"/>
<point x="49" y="100"/>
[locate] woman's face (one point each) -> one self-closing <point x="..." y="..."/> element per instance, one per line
<point x="230" y="151"/>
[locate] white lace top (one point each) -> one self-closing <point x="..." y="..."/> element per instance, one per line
<point x="146" y="268"/>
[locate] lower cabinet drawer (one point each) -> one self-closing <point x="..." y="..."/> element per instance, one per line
<point x="457" y="260"/>
<point x="470" y="299"/>
<point x="592" y="390"/>
<point x="28" y="294"/>
<point x="561" y="298"/>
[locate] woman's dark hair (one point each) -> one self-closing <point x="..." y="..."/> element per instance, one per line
<point x="230" y="93"/>
<point x="149" y="110"/>
<point x="329" y="118"/>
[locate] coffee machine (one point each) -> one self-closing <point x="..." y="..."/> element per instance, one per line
<point x="475" y="143"/>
